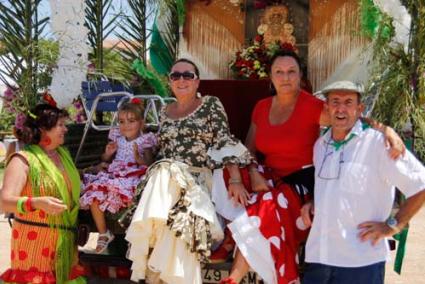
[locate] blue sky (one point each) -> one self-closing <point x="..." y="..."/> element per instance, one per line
<point x="116" y="6"/>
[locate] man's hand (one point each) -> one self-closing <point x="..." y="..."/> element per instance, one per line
<point x="375" y="231"/>
<point x="393" y="140"/>
<point x="306" y="212"/>
<point x="258" y="182"/>
<point x="238" y="193"/>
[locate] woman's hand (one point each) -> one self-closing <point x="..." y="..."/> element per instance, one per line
<point x="139" y="159"/>
<point x="238" y="193"/>
<point x="393" y="140"/>
<point x="102" y="166"/>
<point x="258" y="182"/>
<point x="48" y="204"/>
<point x="110" y="150"/>
<point x="306" y="212"/>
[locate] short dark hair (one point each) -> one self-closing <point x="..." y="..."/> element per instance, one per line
<point x="185" y="60"/>
<point x="43" y="116"/>
<point x="286" y="53"/>
<point x="283" y="53"/>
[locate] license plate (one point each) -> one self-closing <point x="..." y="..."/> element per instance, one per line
<point x="213" y="276"/>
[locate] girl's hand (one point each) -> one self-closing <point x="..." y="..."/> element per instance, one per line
<point x="238" y="193"/>
<point x="50" y="205"/>
<point x="110" y="149"/>
<point x="258" y="182"/>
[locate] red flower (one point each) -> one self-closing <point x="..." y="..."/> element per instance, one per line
<point x="49" y="99"/>
<point x="136" y="101"/>
<point x="253" y="76"/>
<point x="260" y="4"/>
<point x="287" y="46"/>
<point x="258" y="38"/>
<point x="239" y="63"/>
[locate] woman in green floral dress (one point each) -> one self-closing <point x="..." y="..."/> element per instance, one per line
<point x="174" y="223"/>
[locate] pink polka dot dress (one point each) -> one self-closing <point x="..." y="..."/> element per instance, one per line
<point x="114" y="188"/>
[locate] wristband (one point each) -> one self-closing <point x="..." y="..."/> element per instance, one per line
<point x="234" y="180"/>
<point x="28" y="206"/>
<point x="20" y="204"/>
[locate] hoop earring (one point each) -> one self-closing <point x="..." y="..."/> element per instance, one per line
<point x="272" y="89"/>
<point x="45" y="141"/>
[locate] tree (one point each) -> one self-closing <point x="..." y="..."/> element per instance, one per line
<point x="97" y="12"/>
<point x="397" y="83"/>
<point x="21" y="28"/>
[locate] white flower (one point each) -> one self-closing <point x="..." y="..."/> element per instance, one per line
<point x="262" y="29"/>
<point x="235" y="2"/>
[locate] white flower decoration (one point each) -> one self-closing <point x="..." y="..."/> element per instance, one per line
<point x="262" y="29"/>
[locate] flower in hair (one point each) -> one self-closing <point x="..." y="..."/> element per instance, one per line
<point x="136" y="101"/>
<point x="20" y="120"/>
<point x="49" y="99"/>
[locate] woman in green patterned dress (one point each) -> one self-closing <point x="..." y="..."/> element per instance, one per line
<point x="175" y="223"/>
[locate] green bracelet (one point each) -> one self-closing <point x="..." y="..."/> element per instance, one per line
<point x="20" y="204"/>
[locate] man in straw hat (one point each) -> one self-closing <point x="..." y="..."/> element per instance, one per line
<point x="353" y="195"/>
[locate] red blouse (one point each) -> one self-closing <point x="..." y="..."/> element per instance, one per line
<point x="288" y="147"/>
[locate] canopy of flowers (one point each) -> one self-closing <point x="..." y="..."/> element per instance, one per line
<point x="253" y="62"/>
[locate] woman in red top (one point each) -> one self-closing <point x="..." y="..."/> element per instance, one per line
<point x="284" y="129"/>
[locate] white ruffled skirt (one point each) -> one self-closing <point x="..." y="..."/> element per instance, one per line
<point x="154" y="248"/>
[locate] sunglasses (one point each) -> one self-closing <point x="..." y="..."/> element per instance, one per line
<point x="329" y="172"/>
<point x="174" y="76"/>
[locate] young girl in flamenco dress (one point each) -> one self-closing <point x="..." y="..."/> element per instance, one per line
<point x="131" y="152"/>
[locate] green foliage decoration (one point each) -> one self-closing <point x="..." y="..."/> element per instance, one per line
<point x="397" y="78"/>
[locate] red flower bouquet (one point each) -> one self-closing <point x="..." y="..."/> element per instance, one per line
<point x="253" y="62"/>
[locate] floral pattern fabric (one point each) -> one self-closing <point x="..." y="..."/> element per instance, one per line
<point x="188" y="142"/>
<point x="114" y="189"/>
<point x="188" y="139"/>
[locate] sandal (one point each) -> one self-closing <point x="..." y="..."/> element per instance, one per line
<point x="103" y="241"/>
<point x="224" y="251"/>
<point x="228" y="280"/>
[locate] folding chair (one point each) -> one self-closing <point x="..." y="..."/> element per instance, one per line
<point x="153" y="104"/>
<point x="100" y="96"/>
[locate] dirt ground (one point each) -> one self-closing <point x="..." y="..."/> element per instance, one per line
<point x="413" y="271"/>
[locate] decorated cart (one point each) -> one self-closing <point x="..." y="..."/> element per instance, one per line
<point x="379" y="43"/>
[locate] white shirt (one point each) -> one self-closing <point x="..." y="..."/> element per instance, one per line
<point x="362" y="191"/>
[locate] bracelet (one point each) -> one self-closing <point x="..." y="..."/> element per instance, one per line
<point x="234" y="180"/>
<point x="28" y="206"/>
<point x="20" y="204"/>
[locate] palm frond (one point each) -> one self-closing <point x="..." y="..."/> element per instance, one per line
<point x="99" y="27"/>
<point x="20" y="29"/>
